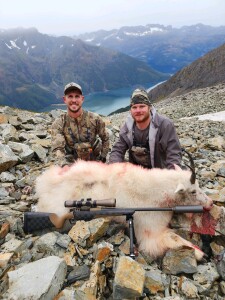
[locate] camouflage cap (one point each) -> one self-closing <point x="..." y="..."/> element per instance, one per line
<point x="72" y="86"/>
<point x="140" y="96"/>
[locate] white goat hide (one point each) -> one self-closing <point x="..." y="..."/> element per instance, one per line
<point x="131" y="186"/>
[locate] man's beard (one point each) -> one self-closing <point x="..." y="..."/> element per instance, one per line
<point x="143" y="118"/>
<point x="74" y="110"/>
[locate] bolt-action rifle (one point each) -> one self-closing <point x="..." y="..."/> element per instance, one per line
<point x="34" y="221"/>
<point x="90" y="209"/>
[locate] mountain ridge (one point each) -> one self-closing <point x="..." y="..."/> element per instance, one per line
<point x="164" y="48"/>
<point x="204" y="72"/>
<point x="34" y="68"/>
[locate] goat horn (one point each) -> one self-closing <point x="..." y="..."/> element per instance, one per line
<point x="192" y="167"/>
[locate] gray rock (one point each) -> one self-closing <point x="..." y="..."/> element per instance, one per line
<point x="221" y="172"/>
<point x="179" y="261"/>
<point x="221" y="264"/>
<point x="7" y="177"/>
<point x="55" y="113"/>
<point x="40" y="152"/>
<point x="41" y="279"/>
<point x="7" y="159"/>
<point x="129" y="279"/>
<point x="8" y="132"/>
<point x="156" y="281"/>
<point x="47" y="244"/>
<point x="206" y="275"/>
<point x="63" y="241"/>
<point x="3" y="192"/>
<point x="13" y="245"/>
<point x="189" y="289"/>
<point x="78" y="273"/>
<point x="23" y="151"/>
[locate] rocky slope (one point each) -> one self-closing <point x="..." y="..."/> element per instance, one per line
<point x="95" y="266"/>
<point x="205" y="71"/>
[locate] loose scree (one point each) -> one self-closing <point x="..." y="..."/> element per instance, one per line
<point x="131" y="186"/>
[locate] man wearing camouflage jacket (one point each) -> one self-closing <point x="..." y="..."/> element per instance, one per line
<point x="78" y="134"/>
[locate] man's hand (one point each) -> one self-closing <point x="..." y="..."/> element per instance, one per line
<point x="101" y="158"/>
<point x="69" y="158"/>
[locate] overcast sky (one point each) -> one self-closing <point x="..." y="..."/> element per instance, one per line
<point x="68" y="17"/>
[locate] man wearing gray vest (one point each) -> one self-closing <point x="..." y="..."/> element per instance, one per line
<point x="149" y="138"/>
<point x="78" y="133"/>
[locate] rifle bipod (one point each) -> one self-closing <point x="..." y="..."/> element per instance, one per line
<point x="130" y="220"/>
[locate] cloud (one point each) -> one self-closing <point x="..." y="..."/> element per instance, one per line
<point x="72" y="17"/>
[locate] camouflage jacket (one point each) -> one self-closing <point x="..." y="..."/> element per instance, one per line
<point x="80" y="134"/>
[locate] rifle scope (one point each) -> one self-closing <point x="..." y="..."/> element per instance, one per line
<point x="90" y="203"/>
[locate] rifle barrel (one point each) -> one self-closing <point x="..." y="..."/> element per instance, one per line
<point x="176" y="209"/>
<point x="112" y="211"/>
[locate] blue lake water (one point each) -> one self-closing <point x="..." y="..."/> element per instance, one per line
<point x="105" y="102"/>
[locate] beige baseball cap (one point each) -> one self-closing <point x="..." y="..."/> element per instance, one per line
<point x="72" y="86"/>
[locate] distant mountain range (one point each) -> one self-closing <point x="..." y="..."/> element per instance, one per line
<point x="34" y="68"/>
<point x="164" y="48"/>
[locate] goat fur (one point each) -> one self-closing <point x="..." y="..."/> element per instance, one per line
<point x="131" y="186"/>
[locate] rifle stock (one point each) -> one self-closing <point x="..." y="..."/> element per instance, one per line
<point x="34" y="221"/>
